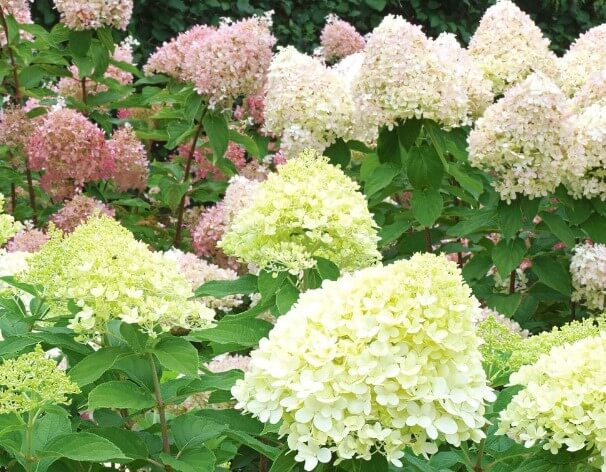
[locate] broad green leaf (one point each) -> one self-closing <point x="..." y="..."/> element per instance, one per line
<point x="191" y="431"/>
<point x="559" y="228"/>
<point x="120" y="394"/>
<point x="510" y="218"/>
<point x="393" y="231"/>
<point x="507" y="255"/>
<point x="424" y="168"/>
<point x="286" y="298"/>
<point x="253" y="443"/>
<point x="426" y="206"/>
<point x="595" y="227"/>
<point x="467" y="181"/>
<point x="553" y="274"/>
<point x="380" y="178"/>
<point x="193" y="460"/>
<point x="249" y="144"/>
<point x="327" y="269"/>
<point x="245" y="285"/>
<point x="270" y="282"/>
<point x="244" y="332"/>
<point x="131" y="442"/>
<point x="217" y="131"/>
<point x="338" y="153"/>
<point x="178" y="355"/>
<point x="80" y="42"/>
<point x="408" y="132"/>
<point x="83" y="447"/>
<point x="285" y="462"/>
<point x="95" y="365"/>
<point x="388" y="147"/>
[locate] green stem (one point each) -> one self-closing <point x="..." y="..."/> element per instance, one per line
<point x="468" y="463"/>
<point x="478" y="466"/>
<point x="29" y="459"/>
<point x="161" y="409"/>
<point x="84" y="92"/>
<point x="428" y="243"/>
<point x="190" y="158"/>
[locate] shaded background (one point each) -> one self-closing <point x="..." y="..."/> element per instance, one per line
<point x="299" y="22"/>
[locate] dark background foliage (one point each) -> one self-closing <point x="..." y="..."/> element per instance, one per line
<point x="299" y="22"/>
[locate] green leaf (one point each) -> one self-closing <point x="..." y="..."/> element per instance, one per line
<point x="338" y="153"/>
<point x="178" y="355"/>
<point x="286" y="298"/>
<point x="424" y="168"/>
<point x="393" y="231"/>
<point x="595" y="227"/>
<point x="245" y="332"/>
<point x="327" y="269"/>
<point x="507" y="255"/>
<point x="80" y="41"/>
<point x="426" y="206"/>
<point x="504" y="398"/>
<point x="477" y="220"/>
<point x="270" y="282"/>
<point x="194" y="460"/>
<point x="83" y="447"/>
<point x="559" y="227"/>
<point x="249" y="144"/>
<point x="285" y="462"/>
<point x="436" y="136"/>
<point x="470" y="183"/>
<point x="106" y="37"/>
<point x="191" y="431"/>
<point x="245" y="285"/>
<point x="477" y="267"/>
<point x="378" y="5"/>
<point x="95" y="365"/>
<point x="408" y="132"/>
<point x="510" y="218"/>
<point x="31" y="76"/>
<point x="248" y="440"/>
<point x="120" y="394"/>
<point x="217" y="131"/>
<point x="380" y="178"/>
<point x="388" y="147"/>
<point x="553" y="274"/>
<point x="131" y="442"/>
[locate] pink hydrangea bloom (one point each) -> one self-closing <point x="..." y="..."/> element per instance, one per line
<point x="20" y="10"/>
<point x="252" y="110"/>
<point x="229" y="362"/>
<point x="340" y="39"/>
<point x="77" y="211"/>
<point x="215" y="220"/>
<point x="279" y="158"/>
<point x="15" y="127"/>
<point x="131" y="161"/>
<point x="94" y="14"/>
<point x="28" y="240"/>
<point x="70" y="150"/>
<point x="170" y="58"/>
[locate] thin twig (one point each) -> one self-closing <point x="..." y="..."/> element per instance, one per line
<point x="161" y="409"/>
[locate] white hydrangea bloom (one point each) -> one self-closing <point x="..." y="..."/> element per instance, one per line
<point x="518" y="139"/>
<point x="12" y="264"/>
<point x="592" y="92"/>
<point x="509" y="46"/>
<point x="588" y="271"/>
<point x="562" y="403"/>
<point x="402" y="77"/>
<point x="306" y="103"/>
<point x="586" y="148"/>
<point x="585" y="56"/>
<point x="385" y="358"/>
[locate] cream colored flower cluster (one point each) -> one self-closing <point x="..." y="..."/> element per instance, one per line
<point x="384" y="358"/>
<point x="31" y="381"/>
<point x="93" y="14"/>
<point x="585" y="56"/>
<point x="8" y="226"/>
<point x="518" y="140"/>
<point x="593" y="92"/>
<point x="588" y="271"/>
<point x="508" y="47"/>
<point x="12" y="264"/>
<point x="306" y="103"/>
<point x="308" y="209"/>
<point x="405" y="75"/>
<point x="562" y="403"/>
<point x="109" y="274"/>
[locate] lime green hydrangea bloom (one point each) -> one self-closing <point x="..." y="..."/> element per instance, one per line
<point x="382" y="359"/>
<point x="8" y="226"/>
<point x="111" y="275"/>
<point x="31" y="381"/>
<point x="562" y="402"/>
<point x="309" y="209"/>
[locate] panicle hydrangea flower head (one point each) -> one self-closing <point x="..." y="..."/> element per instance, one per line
<point x="77" y="211"/>
<point x="198" y="271"/>
<point x="584" y="57"/>
<point x="31" y="381"/>
<point x="130" y="157"/>
<point x="385" y="358"/>
<point x="171" y="57"/>
<point x="27" y="240"/>
<point x="306" y="103"/>
<point x="110" y="275"/>
<point x="469" y="78"/>
<point x="8" y="226"/>
<point x="15" y="128"/>
<point x="593" y="92"/>
<point x="81" y="15"/>
<point x="530" y="349"/>
<point x="508" y="46"/>
<point x="69" y="148"/>
<point x="562" y="401"/>
<point x="585" y="142"/>
<point x="215" y="220"/>
<point x="402" y="77"/>
<point x="308" y="209"/>
<point x="340" y="39"/>
<point x="588" y="271"/>
<point x="21" y="11"/>
<point x="12" y="264"/>
<point x="518" y="139"/>
<point x="203" y="158"/>
<point x="232" y="61"/>
<point x="252" y="110"/>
